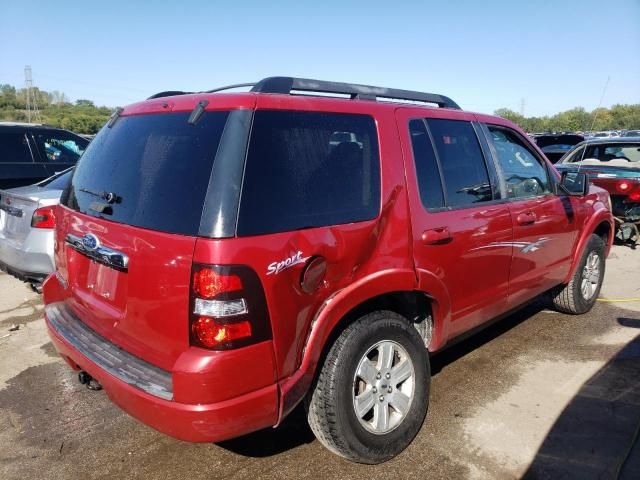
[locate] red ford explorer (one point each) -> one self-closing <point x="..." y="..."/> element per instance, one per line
<point x="222" y="257"/>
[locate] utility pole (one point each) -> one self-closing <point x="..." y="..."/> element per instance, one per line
<point x="522" y="107"/>
<point x="32" y="101"/>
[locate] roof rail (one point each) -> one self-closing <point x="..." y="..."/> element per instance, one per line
<point x="229" y="87"/>
<point x="171" y="93"/>
<point x="285" y="85"/>
<point x="168" y="93"/>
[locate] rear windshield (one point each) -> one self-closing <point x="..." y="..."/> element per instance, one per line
<point x="608" y="154"/>
<point x="155" y="168"/>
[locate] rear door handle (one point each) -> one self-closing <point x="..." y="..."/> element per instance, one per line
<point x="434" y="236"/>
<point x="526" y="218"/>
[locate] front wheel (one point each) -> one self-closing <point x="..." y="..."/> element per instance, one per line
<point x="580" y="294"/>
<point x="370" y="398"/>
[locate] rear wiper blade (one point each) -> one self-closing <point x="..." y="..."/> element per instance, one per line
<point x="110" y="197"/>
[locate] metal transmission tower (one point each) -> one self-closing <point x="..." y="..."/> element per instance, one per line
<point x="32" y="101"/>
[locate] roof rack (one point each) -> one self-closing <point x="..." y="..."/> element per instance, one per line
<point x="289" y="85"/>
<point x="286" y="85"/>
<point x="168" y="93"/>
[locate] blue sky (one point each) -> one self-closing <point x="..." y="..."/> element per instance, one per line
<point x="487" y="54"/>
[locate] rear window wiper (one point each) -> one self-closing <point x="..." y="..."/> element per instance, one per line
<point x="110" y="197"/>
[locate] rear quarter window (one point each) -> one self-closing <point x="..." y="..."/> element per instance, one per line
<point x="309" y="169"/>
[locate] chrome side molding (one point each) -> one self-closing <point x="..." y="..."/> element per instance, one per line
<point x="90" y="247"/>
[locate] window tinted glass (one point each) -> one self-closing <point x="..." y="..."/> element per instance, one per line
<point x="428" y="175"/>
<point x="524" y="175"/>
<point x="60" y="147"/>
<point x="309" y="169"/>
<point x="57" y="182"/>
<point x="157" y="165"/>
<point x="463" y="168"/>
<point x="14" y="148"/>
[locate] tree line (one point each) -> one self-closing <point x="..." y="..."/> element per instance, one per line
<point x="55" y="108"/>
<point x="618" y="117"/>
<point x="82" y="116"/>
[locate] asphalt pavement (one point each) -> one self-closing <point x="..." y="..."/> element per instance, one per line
<point x="536" y="395"/>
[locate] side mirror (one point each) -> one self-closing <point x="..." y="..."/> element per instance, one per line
<point x="574" y="184"/>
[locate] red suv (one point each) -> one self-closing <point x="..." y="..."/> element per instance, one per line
<point x="222" y="257"/>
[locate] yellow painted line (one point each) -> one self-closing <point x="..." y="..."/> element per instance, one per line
<point x="619" y="300"/>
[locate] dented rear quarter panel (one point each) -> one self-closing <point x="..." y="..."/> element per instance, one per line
<point x="363" y="259"/>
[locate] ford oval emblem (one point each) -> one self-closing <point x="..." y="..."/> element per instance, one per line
<point x="90" y="241"/>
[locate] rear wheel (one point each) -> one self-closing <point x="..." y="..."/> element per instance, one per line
<point x="580" y="294"/>
<point x="370" y="398"/>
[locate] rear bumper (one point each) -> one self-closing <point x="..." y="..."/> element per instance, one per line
<point x="22" y="274"/>
<point x="31" y="260"/>
<point x="116" y="370"/>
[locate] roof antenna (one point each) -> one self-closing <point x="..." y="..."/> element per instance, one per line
<point x="593" y="123"/>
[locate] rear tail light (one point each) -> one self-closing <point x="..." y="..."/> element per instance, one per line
<point x="634" y="196"/>
<point x="623" y="186"/>
<point x="43" y="218"/>
<point x="228" y="307"/>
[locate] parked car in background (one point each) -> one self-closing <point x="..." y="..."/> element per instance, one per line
<point x="631" y="133"/>
<point x="30" y="153"/>
<point x="601" y="134"/>
<point x="219" y="263"/>
<point x="613" y="164"/>
<point x="555" y="146"/>
<point x="26" y="228"/>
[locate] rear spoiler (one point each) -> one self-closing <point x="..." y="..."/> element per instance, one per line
<point x="6" y="193"/>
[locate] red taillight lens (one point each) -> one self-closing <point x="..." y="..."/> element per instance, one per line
<point x="623" y="186"/>
<point x="211" y="334"/>
<point x="43" y="218"/>
<point x="207" y="283"/>
<point x="634" y="196"/>
<point x="228" y="308"/>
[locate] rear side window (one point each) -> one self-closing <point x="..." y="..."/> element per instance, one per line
<point x="466" y="179"/>
<point x="309" y="169"/>
<point x="157" y="168"/>
<point x="428" y="175"/>
<point x="60" y="147"/>
<point x="14" y="148"/>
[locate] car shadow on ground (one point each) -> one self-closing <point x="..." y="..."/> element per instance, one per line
<point x="485" y="334"/>
<point x="295" y="431"/>
<point x="595" y="437"/>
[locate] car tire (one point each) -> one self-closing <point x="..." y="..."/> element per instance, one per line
<point x="357" y="373"/>
<point x="580" y="294"/>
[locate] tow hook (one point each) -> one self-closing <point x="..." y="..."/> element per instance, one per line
<point x="88" y="381"/>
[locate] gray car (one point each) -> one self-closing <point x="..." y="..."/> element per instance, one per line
<point x="27" y="220"/>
